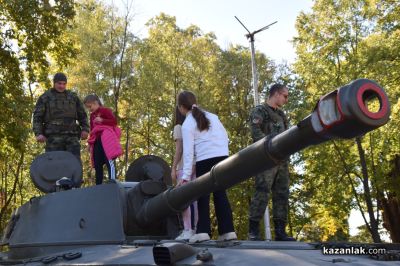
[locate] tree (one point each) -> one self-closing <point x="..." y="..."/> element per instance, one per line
<point x="336" y="44"/>
<point x="30" y="33"/>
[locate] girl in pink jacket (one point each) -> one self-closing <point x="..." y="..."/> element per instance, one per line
<point x="104" y="137"/>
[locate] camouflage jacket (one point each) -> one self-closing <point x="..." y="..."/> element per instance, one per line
<point x="58" y="113"/>
<point x="265" y="120"/>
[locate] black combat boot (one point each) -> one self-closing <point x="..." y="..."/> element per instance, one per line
<point x="280" y="234"/>
<point x="254" y="230"/>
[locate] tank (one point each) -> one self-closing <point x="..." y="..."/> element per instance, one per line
<point x="135" y="222"/>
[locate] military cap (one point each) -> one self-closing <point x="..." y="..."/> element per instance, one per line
<point x="59" y="77"/>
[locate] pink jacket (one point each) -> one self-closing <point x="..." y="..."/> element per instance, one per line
<point x="110" y="137"/>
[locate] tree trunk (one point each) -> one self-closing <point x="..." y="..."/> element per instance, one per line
<point x="367" y="194"/>
<point x="127" y="147"/>
<point x="391" y="216"/>
<point x="390" y="203"/>
<point x="10" y="196"/>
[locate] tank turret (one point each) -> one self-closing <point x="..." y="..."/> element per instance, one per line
<point x="117" y="212"/>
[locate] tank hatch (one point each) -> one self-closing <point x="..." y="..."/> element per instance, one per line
<point x="50" y="167"/>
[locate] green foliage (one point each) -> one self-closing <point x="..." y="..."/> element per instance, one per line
<point x="340" y="41"/>
<point x="30" y="33"/>
<point x="140" y="78"/>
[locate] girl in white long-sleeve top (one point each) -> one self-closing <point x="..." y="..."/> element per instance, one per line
<point x="205" y="139"/>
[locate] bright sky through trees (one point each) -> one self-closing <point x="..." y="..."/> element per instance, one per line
<point x="218" y="17"/>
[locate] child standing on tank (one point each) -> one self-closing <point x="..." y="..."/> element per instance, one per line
<point x="190" y="215"/>
<point x="104" y="145"/>
<point x="205" y="141"/>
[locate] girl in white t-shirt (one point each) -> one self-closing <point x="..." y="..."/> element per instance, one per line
<point x="189" y="216"/>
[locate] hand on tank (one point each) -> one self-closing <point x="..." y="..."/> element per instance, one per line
<point x="41" y="138"/>
<point x="181" y="182"/>
<point x="84" y="135"/>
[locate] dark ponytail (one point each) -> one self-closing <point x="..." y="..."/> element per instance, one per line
<point x="202" y="122"/>
<point x="188" y="100"/>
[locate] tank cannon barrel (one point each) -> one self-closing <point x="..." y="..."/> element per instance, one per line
<point x="347" y="112"/>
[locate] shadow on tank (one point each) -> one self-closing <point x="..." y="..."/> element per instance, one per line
<point x="134" y="222"/>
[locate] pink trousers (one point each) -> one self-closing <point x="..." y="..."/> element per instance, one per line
<point x="190" y="216"/>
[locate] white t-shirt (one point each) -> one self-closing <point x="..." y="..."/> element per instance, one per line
<point x="202" y="145"/>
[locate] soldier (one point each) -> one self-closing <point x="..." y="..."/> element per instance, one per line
<point x="55" y="118"/>
<point x="269" y="120"/>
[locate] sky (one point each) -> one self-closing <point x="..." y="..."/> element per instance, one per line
<point x="218" y="17"/>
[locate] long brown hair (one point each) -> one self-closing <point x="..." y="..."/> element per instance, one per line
<point x="179" y="118"/>
<point x="188" y="100"/>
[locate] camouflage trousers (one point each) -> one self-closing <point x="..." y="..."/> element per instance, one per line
<point x="277" y="181"/>
<point x="64" y="143"/>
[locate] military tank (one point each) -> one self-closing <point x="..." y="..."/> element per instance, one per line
<point x="135" y="222"/>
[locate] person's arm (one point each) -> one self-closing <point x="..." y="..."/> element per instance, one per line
<point x="256" y="121"/>
<point x="177" y="157"/>
<point x="38" y="120"/>
<point x="38" y="117"/>
<point x="188" y="150"/>
<point x="81" y="115"/>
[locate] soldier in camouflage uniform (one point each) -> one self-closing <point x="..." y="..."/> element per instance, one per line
<point x="55" y="118"/>
<point x="269" y="120"/>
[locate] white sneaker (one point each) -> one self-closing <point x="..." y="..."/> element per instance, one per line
<point x="199" y="238"/>
<point x="227" y="236"/>
<point x="185" y="235"/>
